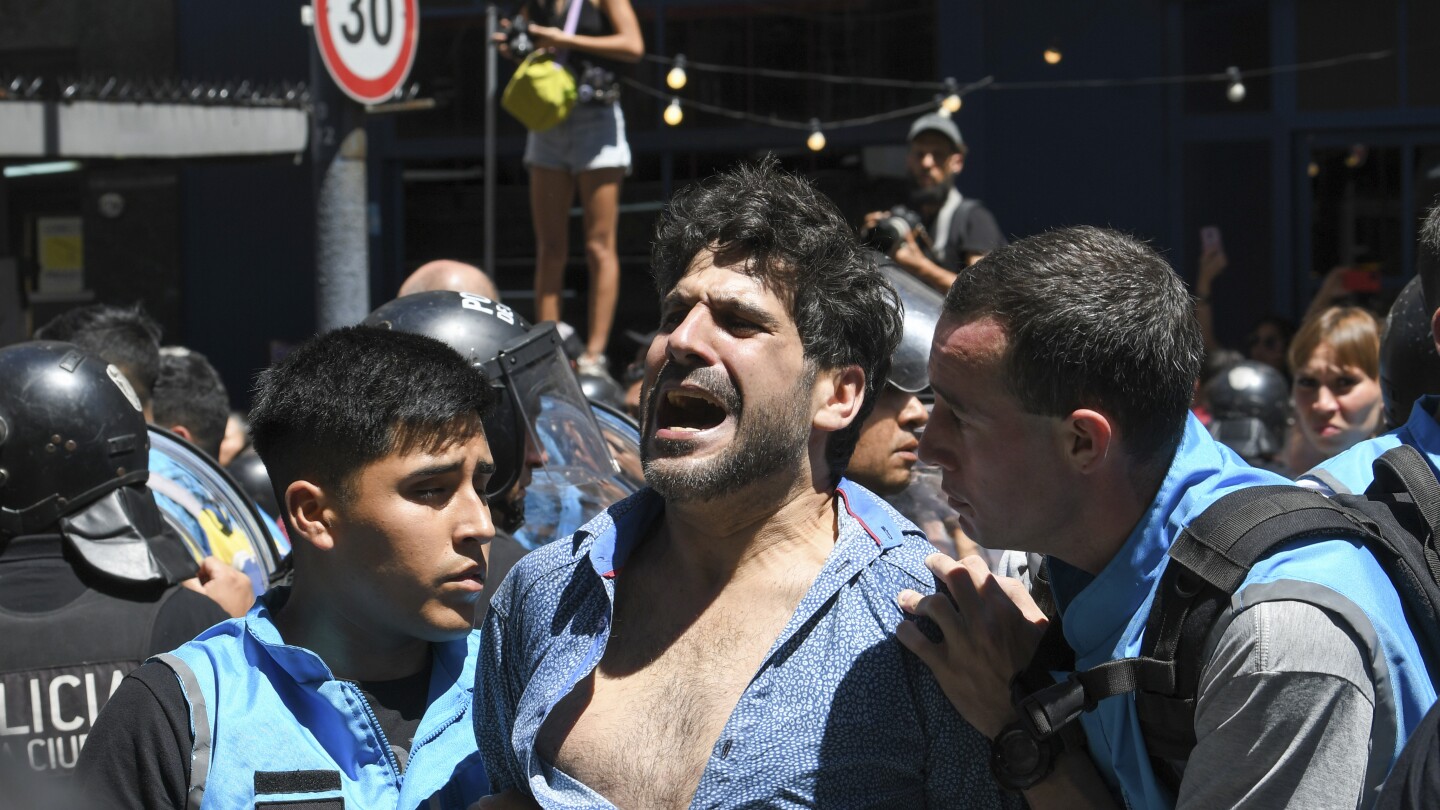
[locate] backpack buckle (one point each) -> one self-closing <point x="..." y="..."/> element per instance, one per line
<point x="1047" y="712"/>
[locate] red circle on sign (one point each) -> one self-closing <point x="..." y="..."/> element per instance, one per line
<point x="368" y="91"/>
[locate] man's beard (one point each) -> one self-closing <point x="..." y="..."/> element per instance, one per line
<point x="772" y="439"/>
<point x="929" y="196"/>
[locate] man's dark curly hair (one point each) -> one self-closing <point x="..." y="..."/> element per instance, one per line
<point x="799" y="245"/>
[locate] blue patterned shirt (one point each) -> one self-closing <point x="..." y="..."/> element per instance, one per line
<point x="839" y="714"/>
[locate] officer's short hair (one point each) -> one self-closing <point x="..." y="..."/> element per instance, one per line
<point x="798" y="243"/>
<point x="189" y="392"/>
<point x="355" y="395"/>
<point x="124" y="336"/>
<point x="1428" y="260"/>
<point x="1094" y="319"/>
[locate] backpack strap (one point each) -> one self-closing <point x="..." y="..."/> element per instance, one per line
<point x="1209" y="561"/>
<point x="1403" y="468"/>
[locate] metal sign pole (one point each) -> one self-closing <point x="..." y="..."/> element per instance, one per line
<point x="342" y="262"/>
<point x="492" y="25"/>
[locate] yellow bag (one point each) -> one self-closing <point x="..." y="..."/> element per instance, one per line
<point x="541" y="93"/>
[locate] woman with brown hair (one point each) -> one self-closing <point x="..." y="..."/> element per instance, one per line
<point x="1335" y="359"/>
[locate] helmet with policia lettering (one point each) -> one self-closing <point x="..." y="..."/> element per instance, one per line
<point x="542" y="424"/>
<point x="1249" y="409"/>
<point x="74" y="460"/>
<point x="909" y="364"/>
<point x="1409" y="366"/>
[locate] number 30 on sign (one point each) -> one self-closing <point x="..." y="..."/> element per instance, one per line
<point x="368" y="45"/>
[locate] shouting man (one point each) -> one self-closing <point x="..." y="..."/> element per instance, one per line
<point x="725" y="637"/>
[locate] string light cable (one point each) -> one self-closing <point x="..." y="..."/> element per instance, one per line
<point x="1052" y="84"/>
<point x="947" y="103"/>
<point x="783" y="123"/>
<point x="1228" y="76"/>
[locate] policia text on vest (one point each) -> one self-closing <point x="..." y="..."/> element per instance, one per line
<point x="45" y="715"/>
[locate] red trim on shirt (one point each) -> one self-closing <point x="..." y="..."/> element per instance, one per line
<point x="863" y="525"/>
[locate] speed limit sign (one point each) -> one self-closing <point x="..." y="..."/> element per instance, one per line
<point x="368" y="45"/>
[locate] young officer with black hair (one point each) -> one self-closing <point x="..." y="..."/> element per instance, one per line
<point x="353" y="686"/>
<point x="1063" y="369"/>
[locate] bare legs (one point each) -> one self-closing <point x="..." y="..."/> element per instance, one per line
<point x="600" y="200"/>
<point x="551" y="191"/>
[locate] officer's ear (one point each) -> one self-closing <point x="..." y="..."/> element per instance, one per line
<point x="183" y="432"/>
<point x="1086" y="439"/>
<point x="1435" y="328"/>
<point x="956" y="162"/>
<point x="839" y="394"/>
<point x="309" y="508"/>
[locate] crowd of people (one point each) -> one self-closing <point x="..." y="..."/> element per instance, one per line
<point x="963" y="523"/>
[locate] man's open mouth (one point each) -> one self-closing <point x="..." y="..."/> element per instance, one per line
<point x="688" y="410"/>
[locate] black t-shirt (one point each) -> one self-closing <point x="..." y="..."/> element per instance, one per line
<point x="139" y="755"/>
<point x="973" y="230"/>
<point x="592" y="23"/>
<point x="398" y="705"/>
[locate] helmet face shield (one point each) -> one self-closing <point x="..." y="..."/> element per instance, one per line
<point x="564" y="445"/>
<point x="554" y="510"/>
<point x="232" y="526"/>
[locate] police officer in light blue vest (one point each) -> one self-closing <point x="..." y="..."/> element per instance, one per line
<point x="1063" y="370"/>
<point x="1350" y="471"/>
<point x="353" y="686"/>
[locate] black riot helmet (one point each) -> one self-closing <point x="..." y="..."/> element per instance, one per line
<point x="74" y="454"/>
<point x="249" y="472"/>
<point x="1409" y="366"/>
<point x="1250" y="409"/>
<point x="540" y="399"/>
<point x="909" y="364"/>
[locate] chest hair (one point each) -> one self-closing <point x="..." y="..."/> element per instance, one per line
<point x="641" y="728"/>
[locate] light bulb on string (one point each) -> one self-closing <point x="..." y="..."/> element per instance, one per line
<point x="950" y="104"/>
<point x="1052" y="55"/>
<point x="676" y="78"/>
<point x="816" y="141"/>
<point x="1236" y="91"/>
<point x="673" y="114"/>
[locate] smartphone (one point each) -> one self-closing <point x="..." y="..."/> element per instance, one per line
<point x="1210" y="240"/>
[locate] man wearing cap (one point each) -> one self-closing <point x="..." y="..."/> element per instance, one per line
<point x="960" y="231"/>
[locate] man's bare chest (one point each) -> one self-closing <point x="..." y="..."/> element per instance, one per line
<point x="642" y="727"/>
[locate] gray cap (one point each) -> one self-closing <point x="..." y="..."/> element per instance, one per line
<point x="935" y="122"/>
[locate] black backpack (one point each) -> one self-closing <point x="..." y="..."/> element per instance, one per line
<point x="1396" y="519"/>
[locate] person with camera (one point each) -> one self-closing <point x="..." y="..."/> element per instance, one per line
<point x="587" y="151"/>
<point x="940" y="231"/>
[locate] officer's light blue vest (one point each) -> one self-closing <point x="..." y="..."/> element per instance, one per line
<point x="272" y="724"/>
<point x="1351" y="472"/>
<point x="1104" y="617"/>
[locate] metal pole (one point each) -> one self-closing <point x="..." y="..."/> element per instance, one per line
<point x="492" y="25"/>
<point x="337" y="150"/>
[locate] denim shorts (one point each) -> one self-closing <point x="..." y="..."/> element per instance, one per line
<point x="591" y="137"/>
